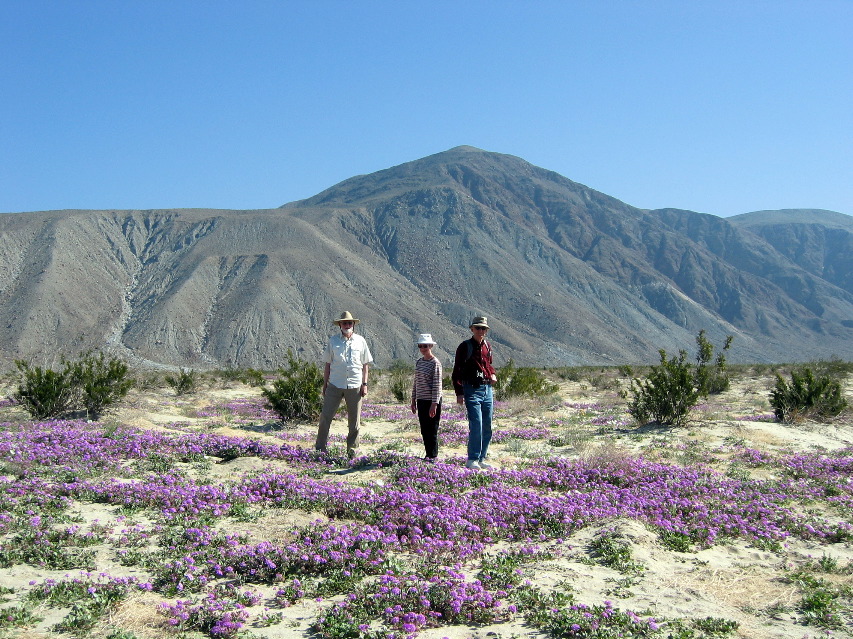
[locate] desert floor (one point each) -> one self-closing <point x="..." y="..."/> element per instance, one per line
<point x="734" y="579"/>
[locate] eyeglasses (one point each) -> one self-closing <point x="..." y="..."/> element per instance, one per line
<point x="424" y="345"/>
<point x="481" y="328"/>
<point x="347" y="323"/>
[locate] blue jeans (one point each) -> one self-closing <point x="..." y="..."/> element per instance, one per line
<point x="478" y="404"/>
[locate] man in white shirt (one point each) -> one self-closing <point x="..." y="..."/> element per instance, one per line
<point x="344" y="378"/>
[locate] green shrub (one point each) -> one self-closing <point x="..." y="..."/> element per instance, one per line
<point x="667" y="394"/>
<point x="806" y="396"/>
<point x="184" y="382"/>
<point x="102" y="382"/>
<point x="517" y="382"/>
<point x="400" y="380"/>
<point x="253" y="377"/>
<point x="711" y="380"/>
<point x="296" y="393"/>
<point x="43" y="392"/>
<point x="93" y="383"/>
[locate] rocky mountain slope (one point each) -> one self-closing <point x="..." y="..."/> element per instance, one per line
<point x="567" y="275"/>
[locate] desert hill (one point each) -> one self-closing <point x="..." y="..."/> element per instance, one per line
<point x="566" y="274"/>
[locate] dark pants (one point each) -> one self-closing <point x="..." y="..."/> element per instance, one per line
<point x="429" y="427"/>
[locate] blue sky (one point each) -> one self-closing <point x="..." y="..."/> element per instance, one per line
<point x="719" y="107"/>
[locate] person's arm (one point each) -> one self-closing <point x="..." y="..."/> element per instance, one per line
<point x="436" y="395"/>
<point x="414" y="405"/>
<point x="364" y="377"/>
<point x="326" y="370"/>
<point x="458" y="374"/>
<point x="493" y="376"/>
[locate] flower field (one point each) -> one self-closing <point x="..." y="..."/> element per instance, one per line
<point x="201" y="516"/>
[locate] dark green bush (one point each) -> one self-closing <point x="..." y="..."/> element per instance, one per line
<point x="43" y="392"/>
<point x="296" y="393"/>
<point x="102" y="382"/>
<point x="517" y="382"/>
<point x="807" y="396"/>
<point x="711" y="380"/>
<point x="92" y="383"/>
<point x="184" y="382"/>
<point x="667" y="394"/>
<point x="400" y="383"/>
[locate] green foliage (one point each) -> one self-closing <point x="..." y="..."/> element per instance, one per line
<point x="184" y="382"/>
<point x="92" y="383"/>
<point x="296" y="393"/>
<point x="524" y="381"/>
<point x="103" y="382"/>
<point x="400" y="383"/>
<point x="806" y="396"/>
<point x="667" y="394"/>
<point x="613" y="551"/>
<point x="43" y="392"/>
<point x="17" y="617"/>
<point x="714" y="379"/>
<point x="253" y="377"/>
<point x="823" y="603"/>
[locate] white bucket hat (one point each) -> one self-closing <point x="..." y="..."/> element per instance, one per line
<point x="425" y="338"/>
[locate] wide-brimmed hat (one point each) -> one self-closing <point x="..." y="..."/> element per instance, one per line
<point x="346" y="316"/>
<point x="425" y="338"/>
<point x="478" y="321"/>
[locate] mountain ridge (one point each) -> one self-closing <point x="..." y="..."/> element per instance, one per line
<point x="566" y="274"/>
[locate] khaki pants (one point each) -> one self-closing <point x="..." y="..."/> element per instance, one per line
<point x="331" y="403"/>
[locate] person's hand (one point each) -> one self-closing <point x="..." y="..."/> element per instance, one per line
<point x="460" y="400"/>
<point x="324" y="388"/>
<point x="432" y="409"/>
<point x="413" y="407"/>
<point x="363" y="390"/>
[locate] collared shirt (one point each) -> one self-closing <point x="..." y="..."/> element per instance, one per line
<point x="465" y="368"/>
<point x="347" y="358"/>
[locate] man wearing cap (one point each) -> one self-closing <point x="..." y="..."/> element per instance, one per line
<point x="473" y="376"/>
<point x="344" y="378"/>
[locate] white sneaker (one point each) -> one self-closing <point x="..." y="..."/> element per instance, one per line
<point x="473" y="464"/>
<point x="484" y="464"/>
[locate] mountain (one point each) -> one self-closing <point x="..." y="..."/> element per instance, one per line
<point x="566" y="275"/>
<point x="821" y="242"/>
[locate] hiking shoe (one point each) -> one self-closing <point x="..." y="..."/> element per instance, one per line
<point x="484" y="464"/>
<point x="473" y="464"/>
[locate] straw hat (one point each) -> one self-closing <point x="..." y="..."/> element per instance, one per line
<point x="346" y="316"/>
<point x="425" y="338"/>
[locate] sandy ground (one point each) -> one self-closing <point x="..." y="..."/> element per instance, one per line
<point x="733" y="581"/>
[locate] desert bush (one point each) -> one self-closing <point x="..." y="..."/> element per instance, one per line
<point x="43" y="392"/>
<point x="711" y="380"/>
<point x="295" y="393"/>
<point x="626" y="370"/>
<point x="524" y="381"/>
<point x="184" y="382"/>
<point x="92" y="383"/>
<point x="667" y="394"/>
<point x="253" y="377"/>
<point x="806" y="396"/>
<point x="834" y="367"/>
<point x="400" y="382"/>
<point x="146" y="381"/>
<point x="102" y="382"/>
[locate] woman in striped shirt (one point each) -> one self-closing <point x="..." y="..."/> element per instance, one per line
<point x="426" y="395"/>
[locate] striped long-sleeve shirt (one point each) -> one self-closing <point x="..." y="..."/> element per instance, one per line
<point x="427" y="383"/>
